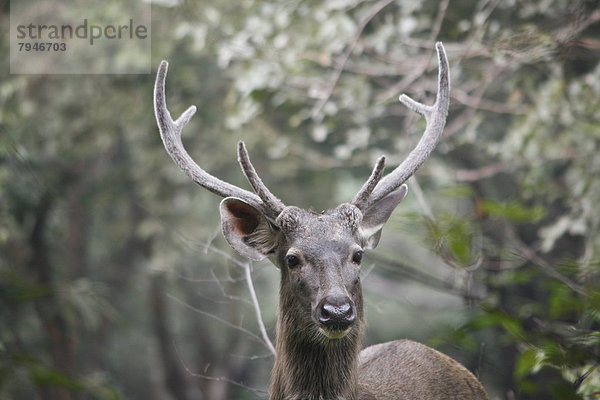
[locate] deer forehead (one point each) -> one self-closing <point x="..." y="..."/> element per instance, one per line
<point x="332" y="225"/>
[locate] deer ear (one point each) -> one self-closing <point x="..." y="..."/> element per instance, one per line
<point x="247" y="230"/>
<point x="377" y="215"/>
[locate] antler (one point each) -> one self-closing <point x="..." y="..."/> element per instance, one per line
<point x="373" y="190"/>
<point x="170" y="132"/>
<point x="435" y="116"/>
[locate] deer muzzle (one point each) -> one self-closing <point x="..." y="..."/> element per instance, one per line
<point x="336" y="315"/>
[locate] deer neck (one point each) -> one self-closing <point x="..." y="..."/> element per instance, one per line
<point x="308" y="368"/>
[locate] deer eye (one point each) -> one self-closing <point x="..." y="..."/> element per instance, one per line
<point x="292" y="260"/>
<point x="357" y="256"/>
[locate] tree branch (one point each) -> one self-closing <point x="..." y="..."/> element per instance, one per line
<point x="340" y="67"/>
<point x="216" y="378"/>
<point x="257" y="311"/>
<point x="529" y="254"/>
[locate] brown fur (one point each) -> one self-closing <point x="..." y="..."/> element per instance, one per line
<point x="407" y="370"/>
<point x="308" y="365"/>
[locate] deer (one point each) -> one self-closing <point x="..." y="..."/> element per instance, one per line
<point x="321" y="315"/>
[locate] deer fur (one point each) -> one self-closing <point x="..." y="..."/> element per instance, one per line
<point x="308" y="363"/>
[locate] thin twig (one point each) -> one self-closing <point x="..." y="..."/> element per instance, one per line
<point x="528" y="253"/>
<point x="486" y="105"/>
<point x="208" y="246"/>
<point x="474" y="175"/>
<point x="453" y="127"/>
<point x="215" y="378"/>
<point x="255" y="303"/>
<point x="340" y="67"/>
<point x="257" y="311"/>
<point x="425" y="207"/>
<point x="219" y="319"/>
<point x="417" y="275"/>
<point x="404" y="83"/>
<point x="439" y="19"/>
<point x="224" y="293"/>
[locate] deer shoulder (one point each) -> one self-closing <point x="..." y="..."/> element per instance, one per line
<point x="407" y="370"/>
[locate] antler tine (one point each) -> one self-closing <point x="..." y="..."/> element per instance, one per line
<point x="272" y="202"/>
<point x="435" y="117"/>
<point x="362" y="197"/>
<point x="170" y="132"/>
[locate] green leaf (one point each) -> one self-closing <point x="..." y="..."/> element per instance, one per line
<point x="498" y="318"/>
<point x="563" y="391"/>
<point x="512" y="211"/>
<point x="554" y="355"/>
<point x="527" y="363"/>
<point x="45" y="376"/>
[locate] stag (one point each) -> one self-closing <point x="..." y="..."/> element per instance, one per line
<point x="321" y="314"/>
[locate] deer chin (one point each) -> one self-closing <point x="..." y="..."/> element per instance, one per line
<point x="334" y="334"/>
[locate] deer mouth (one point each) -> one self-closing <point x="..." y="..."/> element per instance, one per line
<point x="334" y="334"/>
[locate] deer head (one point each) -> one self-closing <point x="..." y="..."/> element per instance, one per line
<point x="319" y="255"/>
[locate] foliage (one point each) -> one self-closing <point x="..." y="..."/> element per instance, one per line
<point x="114" y="282"/>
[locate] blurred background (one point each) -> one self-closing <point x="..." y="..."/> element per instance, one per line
<point x="115" y="282"/>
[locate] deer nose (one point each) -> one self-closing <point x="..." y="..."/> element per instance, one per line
<point x="336" y="313"/>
